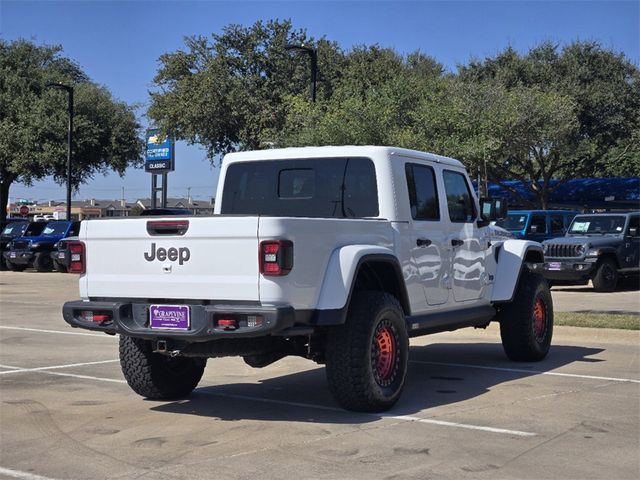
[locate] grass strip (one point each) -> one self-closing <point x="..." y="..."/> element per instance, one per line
<point x="597" y="320"/>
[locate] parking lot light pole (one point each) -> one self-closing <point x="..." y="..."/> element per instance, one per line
<point x="314" y="64"/>
<point x="69" y="90"/>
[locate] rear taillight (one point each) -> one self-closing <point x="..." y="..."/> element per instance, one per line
<point x="77" y="257"/>
<point x="276" y="257"/>
<point x="98" y="317"/>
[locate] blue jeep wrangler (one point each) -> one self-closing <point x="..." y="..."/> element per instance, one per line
<point x="537" y="225"/>
<point x="36" y="250"/>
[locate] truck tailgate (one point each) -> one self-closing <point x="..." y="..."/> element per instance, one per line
<point x="216" y="258"/>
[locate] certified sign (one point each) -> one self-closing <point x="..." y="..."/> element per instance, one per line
<point x="159" y="154"/>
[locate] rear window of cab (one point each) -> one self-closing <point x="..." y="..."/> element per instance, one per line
<point x="313" y="187"/>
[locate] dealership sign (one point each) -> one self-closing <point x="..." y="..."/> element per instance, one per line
<point x="159" y="156"/>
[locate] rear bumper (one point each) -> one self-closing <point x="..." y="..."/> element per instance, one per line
<point x="132" y="319"/>
<point x="19" y="257"/>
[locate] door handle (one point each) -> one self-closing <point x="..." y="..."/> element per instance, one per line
<point x="423" y="242"/>
<point x="456" y="242"/>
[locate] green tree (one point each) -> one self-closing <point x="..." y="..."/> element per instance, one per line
<point x="604" y="87"/>
<point x="373" y="102"/>
<point x="33" y="121"/>
<point x="226" y="92"/>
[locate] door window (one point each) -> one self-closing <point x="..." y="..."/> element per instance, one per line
<point x="423" y="194"/>
<point x="459" y="199"/>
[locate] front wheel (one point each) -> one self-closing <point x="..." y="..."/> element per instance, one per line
<point x="526" y="323"/>
<point x="14" y="267"/>
<point x="606" y="277"/>
<point x="60" y="268"/>
<point x="367" y="356"/>
<point x="156" y="376"/>
<point x="42" y="262"/>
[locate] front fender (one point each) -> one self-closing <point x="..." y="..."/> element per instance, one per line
<point x="340" y="274"/>
<point x="510" y="263"/>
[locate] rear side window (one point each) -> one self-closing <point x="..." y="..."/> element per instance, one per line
<point x="459" y="199"/>
<point x="557" y="223"/>
<point x="316" y="187"/>
<point x="423" y="194"/>
<point x="538" y="221"/>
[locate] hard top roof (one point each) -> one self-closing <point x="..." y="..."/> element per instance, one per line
<point x="527" y="212"/>
<point x="338" y="151"/>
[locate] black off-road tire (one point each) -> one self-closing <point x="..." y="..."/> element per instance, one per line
<point x="367" y="357"/>
<point x="156" y="376"/>
<point x="14" y="267"/>
<point x="59" y="267"/>
<point x="42" y="262"/>
<point x="606" y="277"/>
<point x="526" y="323"/>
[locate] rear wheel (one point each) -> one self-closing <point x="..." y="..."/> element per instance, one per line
<point x="526" y="323"/>
<point x="606" y="277"/>
<point x="157" y="376"/>
<point x="42" y="262"/>
<point x="367" y="356"/>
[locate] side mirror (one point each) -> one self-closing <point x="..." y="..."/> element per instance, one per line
<point x="633" y="232"/>
<point x="492" y="209"/>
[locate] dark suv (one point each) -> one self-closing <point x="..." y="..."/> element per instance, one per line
<point x="15" y="229"/>
<point x="597" y="247"/>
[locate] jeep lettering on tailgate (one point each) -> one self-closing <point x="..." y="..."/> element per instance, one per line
<point x="172" y="254"/>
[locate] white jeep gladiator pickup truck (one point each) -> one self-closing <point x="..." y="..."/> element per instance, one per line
<point x="336" y="254"/>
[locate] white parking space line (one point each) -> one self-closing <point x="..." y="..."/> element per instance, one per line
<point x="39" y="330"/>
<point x="23" y="475"/>
<point x="522" y="370"/>
<point x="82" y="377"/>
<point x="482" y="428"/>
<point x="54" y="367"/>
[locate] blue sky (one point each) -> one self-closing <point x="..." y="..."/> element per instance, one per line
<point x="118" y="44"/>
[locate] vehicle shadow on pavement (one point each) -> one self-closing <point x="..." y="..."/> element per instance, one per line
<point x="439" y="374"/>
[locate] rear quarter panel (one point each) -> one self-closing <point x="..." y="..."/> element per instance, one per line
<point x="314" y="242"/>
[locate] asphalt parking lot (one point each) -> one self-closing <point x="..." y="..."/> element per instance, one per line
<point x="466" y="412"/>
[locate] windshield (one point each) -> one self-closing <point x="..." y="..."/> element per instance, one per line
<point x="597" y="224"/>
<point x="14" y="229"/>
<point x="55" y="228"/>
<point x="513" y="222"/>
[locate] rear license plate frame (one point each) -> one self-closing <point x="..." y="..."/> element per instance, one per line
<point x="170" y="317"/>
